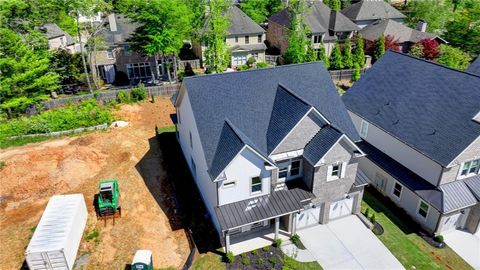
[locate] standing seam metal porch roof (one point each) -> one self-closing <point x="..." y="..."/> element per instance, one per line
<point x="265" y="207"/>
<point x="247" y="99"/>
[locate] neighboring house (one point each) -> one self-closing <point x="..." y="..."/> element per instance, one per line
<point x="118" y="57"/>
<point x="420" y="122"/>
<point x="57" y="38"/>
<point x="245" y="39"/>
<point x="474" y="67"/>
<point x="327" y="27"/>
<point x="366" y="12"/>
<point x="270" y="149"/>
<point x="404" y="35"/>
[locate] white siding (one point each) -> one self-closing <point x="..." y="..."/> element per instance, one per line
<point x="402" y="153"/>
<point x="242" y="168"/>
<point x="408" y="199"/>
<point x="206" y="186"/>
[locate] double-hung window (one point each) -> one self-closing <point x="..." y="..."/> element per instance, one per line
<point x="256" y="185"/>
<point x="295" y="168"/>
<point x="470" y="167"/>
<point x="423" y="209"/>
<point x="397" y="190"/>
<point x="260" y="38"/>
<point x="317" y="39"/>
<point x="247" y="39"/>
<point x="334" y="172"/>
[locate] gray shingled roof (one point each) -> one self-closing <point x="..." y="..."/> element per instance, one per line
<point x="241" y="24"/>
<point x="474" y="67"/>
<point x="400" y="32"/>
<point x="125" y="30"/>
<point x="371" y="10"/>
<point x="320" y="144"/>
<point x="425" y="105"/>
<point x="52" y="30"/>
<point x="247" y="100"/>
<point x="265" y="207"/>
<point x="320" y="19"/>
<point x="249" y="47"/>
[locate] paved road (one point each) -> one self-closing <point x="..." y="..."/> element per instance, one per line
<point x="347" y="244"/>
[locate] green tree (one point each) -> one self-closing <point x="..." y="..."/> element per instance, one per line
<point x="25" y="73"/>
<point x="336" y="5"/>
<point x="216" y="54"/>
<point x="464" y="30"/>
<point x="356" y="73"/>
<point x="260" y="10"/>
<point x="347" y="54"/>
<point x="417" y="50"/>
<point x="164" y="25"/>
<point x="311" y="55"/>
<point x="68" y="66"/>
<point x="453" y="57"/>
<point x="322" y="55"/>
<point x="435" y="12"/>
<point x="299" y="40"/>
<point x="346" y="3"/>
<point x="359" y="51"/>
<point x="336" y="60"/>
<point x="379" y="48"/>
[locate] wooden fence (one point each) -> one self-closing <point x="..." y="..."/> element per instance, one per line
<point x="109" y="95"/>
<point x="344" y="74"/>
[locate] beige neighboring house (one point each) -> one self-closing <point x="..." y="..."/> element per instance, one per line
<point x="245" y="39"/>
<point x="327" y="27"/>
<point x="57" y="38"/>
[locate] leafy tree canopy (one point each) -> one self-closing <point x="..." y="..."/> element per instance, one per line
<point x="299" y="41"/>
<point x="336" y="60"/>
<point x="216" y="54"/>
<point x="260" y="10"/>
<point x="453" y="57"/>
<point x="435" y="12"/>
<point x="464" y="30"/>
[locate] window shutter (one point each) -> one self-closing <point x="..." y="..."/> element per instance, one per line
<point x="343" y="169"/>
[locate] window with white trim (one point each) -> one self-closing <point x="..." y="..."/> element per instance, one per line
<point x="335" y="171"/>
<point x="139" y="70"/>
<point x="397" y="190"/>
<point x="247" y="39"/>
<point x="423" y="209"/>
<point x="317" y="39"/>
<point x="470" y="168"/>
<point x="295" y="167"/>
<point x="239" y="59"/>
<point x="260" y="38"/>
<point x="110" y="54"/>
<point x="363" y="129"/>
<point x="256" y="185"/>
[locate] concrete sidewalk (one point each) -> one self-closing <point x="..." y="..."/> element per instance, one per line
<point x="347" y="244"/>
<point x="466" y="245"/>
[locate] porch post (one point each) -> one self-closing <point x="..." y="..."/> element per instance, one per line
<point x="277" y="227"/>
<point x="227" y="242"/>
<point x="294" y="223"/>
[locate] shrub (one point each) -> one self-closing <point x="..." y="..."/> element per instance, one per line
<point x="438" y="238"/>
<point x="272" y="260"/>
<point x="372" y="218"/>
<point x="266" y="249"/>
<point x="356" y="73"/>
<point x="123" y="97"/>
<point x="277" y="243"/>
<point x="246" y="261"/>
<point x="243" y="67"/>
<point x="295" y="239"/>
<point x="367" y="212"/>
<point x="229" y="257"/>
<point x="138" y="93"/>
<point x="251" y="61"/>
<point x="262" y="65"/>
<point x="260" y="261"/>
<point x="92" y="235"/>
<point x="254" y="252"/>
<point x="243" y="255"/>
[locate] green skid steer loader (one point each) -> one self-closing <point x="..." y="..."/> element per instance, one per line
<point x="109" y="198"/>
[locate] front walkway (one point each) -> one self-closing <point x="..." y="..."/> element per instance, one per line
<point x="347" y="244"/>
<point x="466" y="245"/>
<point x="255" y="240"/>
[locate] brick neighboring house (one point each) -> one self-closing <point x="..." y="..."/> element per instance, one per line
<point x="245" y="39"/>
<point x="120" y="58"/>
<point x="327" y="26"/>
<point x="404" y="35"/>
<point x="271" y="150"/>
<point x="57" y="38"/>
<point x="366" y="12"/>
<point x="420" y="122"/>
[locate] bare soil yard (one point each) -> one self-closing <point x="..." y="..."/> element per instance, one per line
<point x="34" y="172"/>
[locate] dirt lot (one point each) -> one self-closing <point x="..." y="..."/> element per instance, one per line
<point x="35" y="172"/>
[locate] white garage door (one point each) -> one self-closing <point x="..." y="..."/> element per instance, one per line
<point x="451" y="222"/>
<point x="308" y="217"/>
<point x="341" y="208"/>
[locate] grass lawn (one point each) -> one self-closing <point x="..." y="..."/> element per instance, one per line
<point x="214" y="262"/>
<point x="408" y="247"/>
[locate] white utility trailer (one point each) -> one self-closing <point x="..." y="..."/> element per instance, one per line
<point x="56" y="239"/>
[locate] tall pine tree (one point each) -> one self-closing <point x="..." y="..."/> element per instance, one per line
<point x="379" y="48"/>
<point x="336" y="61"/>
<point x="359" y="51"/>
<point x="347" y="54"/>
<point x="322" y="55"/>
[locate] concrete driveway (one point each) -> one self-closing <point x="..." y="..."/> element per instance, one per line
<point x="347" y="244"/>
<point x="466" y="245"/>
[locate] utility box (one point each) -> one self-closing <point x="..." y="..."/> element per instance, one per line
<point x="54" y="244"/>
<point x="142" y="260"/>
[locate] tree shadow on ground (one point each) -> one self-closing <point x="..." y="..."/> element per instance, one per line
<point x="176" y="192"/>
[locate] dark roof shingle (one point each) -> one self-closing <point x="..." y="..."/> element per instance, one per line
<point x="320" y="144"/>
<point x="241" y="24"/>
<point x="474" y="67"/>
<point x="371" y="10"/>
<point x="427" y="106"/>
<point x="400" y="32"/>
